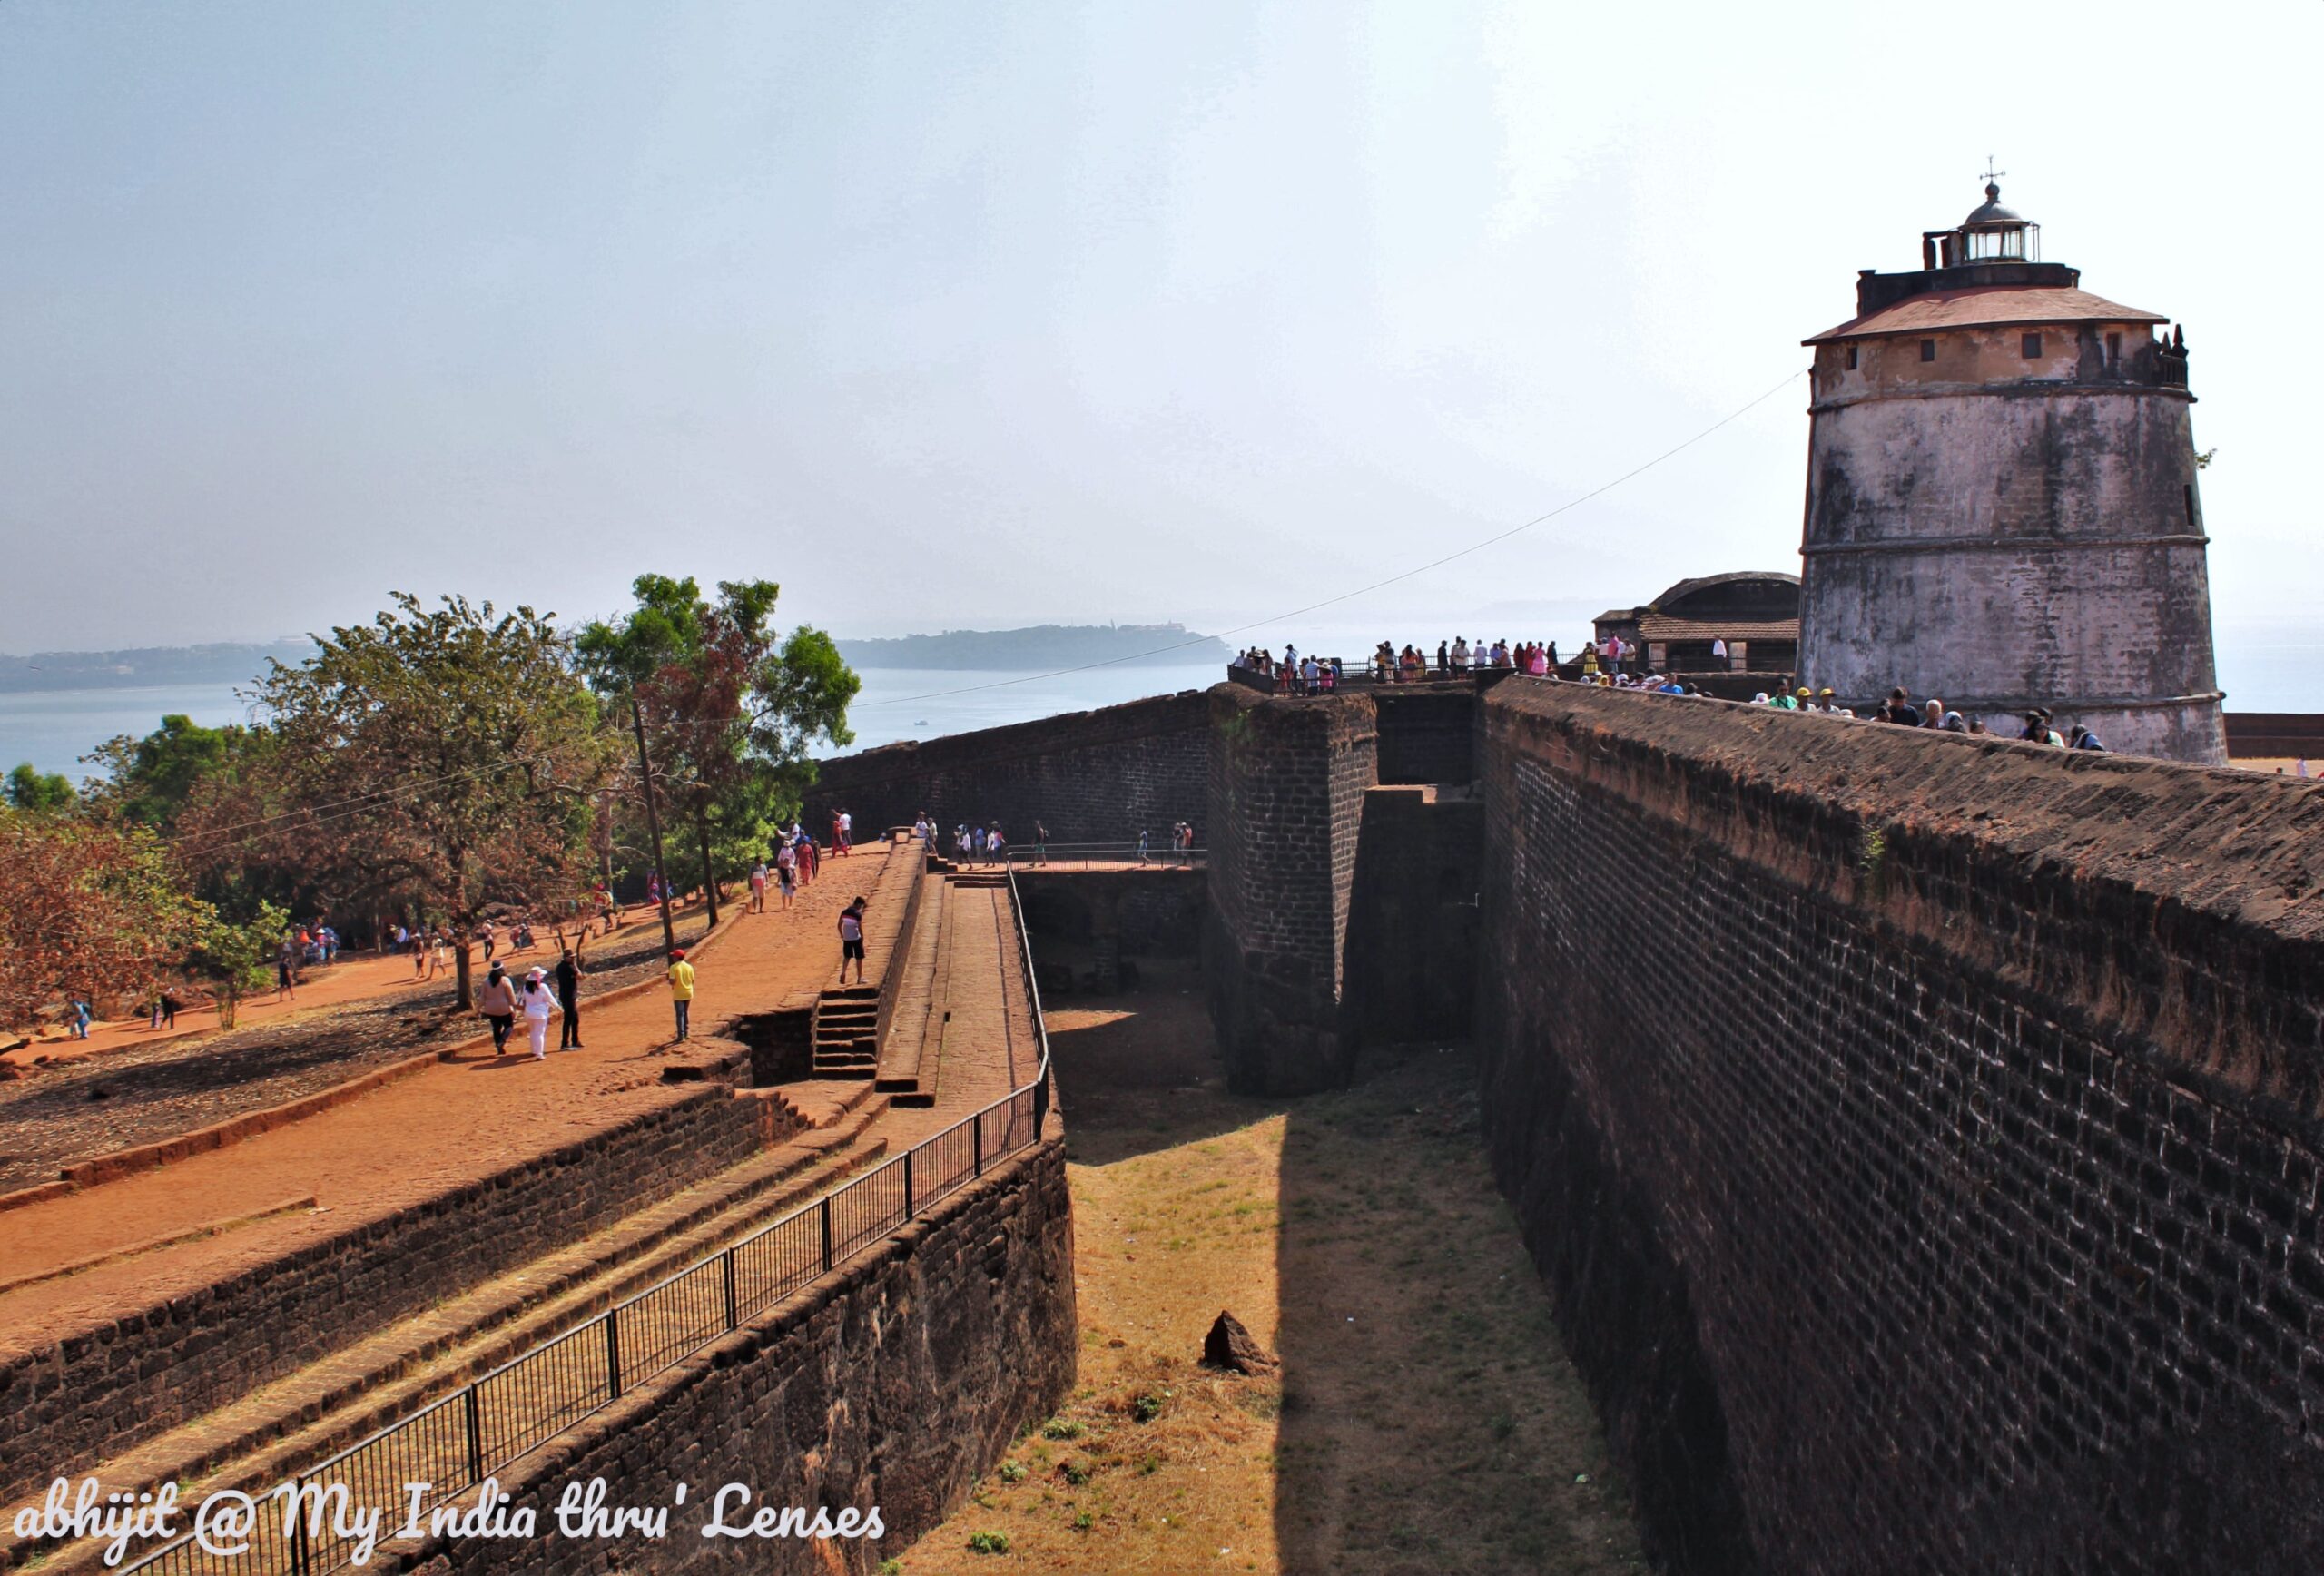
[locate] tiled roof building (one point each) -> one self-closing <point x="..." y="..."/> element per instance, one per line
<point x="1753" y="614"/>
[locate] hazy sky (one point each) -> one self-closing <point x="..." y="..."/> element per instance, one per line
<point x="967" y="315"/>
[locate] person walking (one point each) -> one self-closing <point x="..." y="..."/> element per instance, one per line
<point x="1145" y="843"/>
<point x="286" y="968"/>
<point x="758" y="887"/>
<point x="497" y="1000"/>
<point x="80" y="1020"/>
<point x="539" y="1002"/>
<point x="1040" y="842"/>
<point x="786" y="872"/>
<point x="996" y="847"/>
<point x="569" y="997"/>
<point x="846" y="839"/>
<point x="680" y="977"/>
<point x="490" y="937"/>
<point x="851" y="938"/>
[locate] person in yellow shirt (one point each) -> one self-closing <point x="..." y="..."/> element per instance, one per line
<point x="681" y="979"/>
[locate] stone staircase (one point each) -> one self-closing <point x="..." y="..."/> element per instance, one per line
<point x="282" y="1427"/>
<point x="845" y="1043"/>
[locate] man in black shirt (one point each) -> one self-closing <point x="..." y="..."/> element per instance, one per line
<point x="569" y="998"/>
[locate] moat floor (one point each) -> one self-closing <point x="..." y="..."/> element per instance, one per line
<point x="1425" y="1419"/>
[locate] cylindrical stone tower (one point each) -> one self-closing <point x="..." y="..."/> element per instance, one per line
<point x="2002" y="508"/>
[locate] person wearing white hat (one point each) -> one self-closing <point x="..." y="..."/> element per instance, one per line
<point x="539" y="1004"/>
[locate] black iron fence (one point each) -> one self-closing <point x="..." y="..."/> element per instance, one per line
<point x="454" y="1444"/>
<point x="1157" y="851"/>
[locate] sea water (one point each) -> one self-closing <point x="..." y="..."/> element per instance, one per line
<point x="53" y="729"/>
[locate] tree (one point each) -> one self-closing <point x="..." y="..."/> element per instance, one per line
<point x="150" y="779"/>
<point x="451" y="753"/>
<point x="37" y="791"/>
<point x="236" y="957"/>
<point x="87" y="909"/>
<point x="733" y="713"/>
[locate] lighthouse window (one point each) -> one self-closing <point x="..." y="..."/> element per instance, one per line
<point x="1928" y="350"/>
<point x="1851" y="357"/>
<point x="2031" y="347"/>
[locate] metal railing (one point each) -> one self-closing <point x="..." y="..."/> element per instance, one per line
<point x="1352" y="676"/>
<point x="1037" y="856"/>
<point x="454" y="1443"/>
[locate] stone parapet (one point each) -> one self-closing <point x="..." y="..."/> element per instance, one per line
<point x="1920" y="1133"/>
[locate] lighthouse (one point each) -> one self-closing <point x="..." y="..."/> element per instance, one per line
<point x="2002" y="502"/>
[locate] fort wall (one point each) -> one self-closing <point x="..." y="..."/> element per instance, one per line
<point x="896" y="1381"/>
<point x="1411" y="945"/>
<point x="1427" y="732"/>
<point x="1095" y="776"/>
<point x="1918" y="1133"/>
<point x="75" y="1401"/>
<point x="1287" y="782"/>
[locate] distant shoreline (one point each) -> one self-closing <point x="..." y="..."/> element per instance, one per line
<point x="1037" y="649"/>
<point x="144" y="668"/>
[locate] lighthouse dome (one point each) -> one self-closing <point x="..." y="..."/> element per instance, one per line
<point x="1992" y="213"/>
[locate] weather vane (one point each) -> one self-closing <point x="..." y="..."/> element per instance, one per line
<point x="1992" y="173"/>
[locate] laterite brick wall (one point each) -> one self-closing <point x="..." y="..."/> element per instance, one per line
<point x="1092" y="776"/>
<point x="71" y="1403"/>
<point x="896" y="1381"/>
<point x="1288" y="781"/>
<point x="1918" y="1133"/>
<point x="1427" y="731"/>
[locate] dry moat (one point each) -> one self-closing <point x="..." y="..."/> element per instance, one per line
<point x="1424" y="1418"/>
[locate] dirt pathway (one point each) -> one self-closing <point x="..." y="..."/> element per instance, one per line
<point x="355" y="977"/>
<point x="407" y="1141"/>
<point x="139" y="1092"/>
<point x="1425" y="1421"/>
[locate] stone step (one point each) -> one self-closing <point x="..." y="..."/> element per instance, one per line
<point x="307" y="1416"/>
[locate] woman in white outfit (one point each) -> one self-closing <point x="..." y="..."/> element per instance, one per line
<point x="539" y="1002"/>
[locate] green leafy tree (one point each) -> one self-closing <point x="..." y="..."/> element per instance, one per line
<point x="235" y="958"/>
<point x="450" y="753"/>
<point x="731" y="710"/>
<point x="150" y="779"/>
<point x="38" y="792"/>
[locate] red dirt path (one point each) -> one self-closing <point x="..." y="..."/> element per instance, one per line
<point x="413" y="1140"/>
<point x="356" y="977"/>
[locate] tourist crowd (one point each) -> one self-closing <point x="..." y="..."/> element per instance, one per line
<point x="1308" y="674"/>
<point x="1612" y="662"/>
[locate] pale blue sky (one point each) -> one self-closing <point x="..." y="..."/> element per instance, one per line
<point x="971" y="315"/>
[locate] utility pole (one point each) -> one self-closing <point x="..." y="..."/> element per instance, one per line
<point x="653" y="820"/>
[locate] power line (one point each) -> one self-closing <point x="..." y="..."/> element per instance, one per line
<point x="220" y="838"/>
<point x="1479" y="547"/>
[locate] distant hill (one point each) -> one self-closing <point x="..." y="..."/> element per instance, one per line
<point x="1044" y="645"/>
<point x="144" y="665"/>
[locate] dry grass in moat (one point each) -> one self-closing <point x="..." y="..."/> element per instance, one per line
<point x="1425" y="1419"/>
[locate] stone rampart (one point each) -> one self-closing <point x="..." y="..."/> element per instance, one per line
<point x="1919" y="1133"/>
<point x="1288" y="781"/>
<point x="896" y="1381"/>
<point x="73" y="1402"/>
<point x="1091" y="776"/>
<point x="1410" y="946"/>
<point x="1427" y="731"/>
